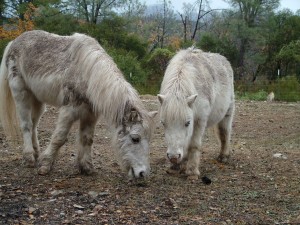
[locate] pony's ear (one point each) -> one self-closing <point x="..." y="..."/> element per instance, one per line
<point x="152" y="114"/>
<point x="161" y="98"/>
<point x="191" y="99"/>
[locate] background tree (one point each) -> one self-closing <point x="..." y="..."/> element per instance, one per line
<point x="250" y="14"/>
<point x="93" y="10"/>
<point x="279" y="30"/>
<point x="162" y="24"/>
<point x="186" y="19"/>
<point x="256" y="39"/>
<point x="200" y="15"/>
<point x="18" y="8"/>
<point x="2" y="9"/>
<point x="133" y="11"/>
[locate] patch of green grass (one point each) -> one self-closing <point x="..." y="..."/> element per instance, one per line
<point x="256" y="96"/>
<point x="285" y="89"/>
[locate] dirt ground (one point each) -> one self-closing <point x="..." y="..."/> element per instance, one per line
<point x="260" y="184"/>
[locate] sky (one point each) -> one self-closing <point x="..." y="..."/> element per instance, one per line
<point x="293" y="5"/>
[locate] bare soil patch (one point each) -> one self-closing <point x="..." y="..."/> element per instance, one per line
<point x="255" y="187"/>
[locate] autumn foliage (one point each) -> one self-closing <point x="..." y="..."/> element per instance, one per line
<point x="17" y="26"/>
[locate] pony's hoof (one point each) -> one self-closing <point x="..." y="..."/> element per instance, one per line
<point x="29" y="164"/>
<point x="172" y="171"/>
<point x="223" y="158"/>
<point x="44" y="170"/>
<point x="86" y="169"/>
<point x="192" y="177"/>
<point x="29" y="161"/>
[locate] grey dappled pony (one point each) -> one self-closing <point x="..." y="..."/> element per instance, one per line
<point x="75" y="74"/>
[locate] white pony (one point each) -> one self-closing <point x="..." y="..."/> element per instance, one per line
<point x="196" y="92"/>
<point x="77" y="75"/>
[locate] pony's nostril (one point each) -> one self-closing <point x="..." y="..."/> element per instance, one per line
<point x="179" y="156"/>
<point x="168" y="155"/>
<point x="142" y="174"/>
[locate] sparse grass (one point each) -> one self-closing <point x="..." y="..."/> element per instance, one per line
<point x="251" y="195"/>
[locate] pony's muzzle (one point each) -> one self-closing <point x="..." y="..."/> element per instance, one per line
<point x="174" y="158"/>
<point x="138" y="173"/>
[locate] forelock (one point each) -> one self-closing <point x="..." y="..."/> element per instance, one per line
<point x="174" y="108"/>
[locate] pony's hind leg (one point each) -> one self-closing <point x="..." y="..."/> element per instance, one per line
<point x="66" y="118"/>
<point x="86" y="133"/>
<point x="23" y="100"/>
<point x="37" y="111"/>
<point x="224" y="133"/>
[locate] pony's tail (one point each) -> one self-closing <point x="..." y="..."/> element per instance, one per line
<point x="8" y="116"/>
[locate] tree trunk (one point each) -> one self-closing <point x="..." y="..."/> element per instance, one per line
<point x="184" y="22"/>
<point x="241" y="61"/>
<point x="85" y="8"/>
<point x="197" y="22"/>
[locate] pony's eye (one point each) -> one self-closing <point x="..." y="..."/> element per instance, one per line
<point x="187" y="123"/>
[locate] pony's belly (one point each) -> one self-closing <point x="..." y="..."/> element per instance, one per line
<point x="54" y="99"/>
<point x="214" y="119"/>
<point x="47" y="92"/>
<point x="216" y="115"/>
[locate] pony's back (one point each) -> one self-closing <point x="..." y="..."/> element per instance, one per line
<point x="193" y="71"/>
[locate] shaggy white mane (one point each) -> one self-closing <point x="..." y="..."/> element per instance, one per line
<point x="109" y="95"/>
<point x="179" y="83"/>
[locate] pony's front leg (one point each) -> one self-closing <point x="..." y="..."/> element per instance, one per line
<point x="193" y="161"/>
<point x="193" y="156"/>
<point x="86" y="133"/>
<point x="65" y="120"/>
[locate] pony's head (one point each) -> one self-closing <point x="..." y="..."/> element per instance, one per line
<point x="132" y="143"/>
<point x="177" y="117"/>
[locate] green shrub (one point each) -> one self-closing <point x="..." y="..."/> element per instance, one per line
<point x="129" y="65"/>
<point x="3" y="44"/>
<point x="60" y="24"/>
<point x="158" y="61"/>
<point x="155" y="65"/>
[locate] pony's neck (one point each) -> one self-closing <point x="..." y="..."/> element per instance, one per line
<point x="112" y="97"/>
